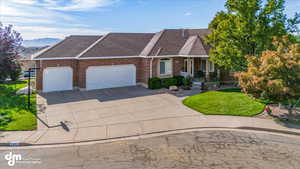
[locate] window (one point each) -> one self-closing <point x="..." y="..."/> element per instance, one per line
<point x="165" y="66"/>
<point x="211" y="66"/>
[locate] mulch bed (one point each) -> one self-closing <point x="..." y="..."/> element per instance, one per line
<point x="281" y="114"/>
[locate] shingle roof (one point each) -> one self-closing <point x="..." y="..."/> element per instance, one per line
<point x="193" y="46"/>
<point x="119" y="44"/>
<point x="69" y="47"/>
<point x="171" y="41"/>
<point x="148" y="48"/>
<point x="167" y="42"/>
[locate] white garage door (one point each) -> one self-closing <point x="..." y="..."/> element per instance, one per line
<point x="101" y="77"/>
<point x="57" y="79"/>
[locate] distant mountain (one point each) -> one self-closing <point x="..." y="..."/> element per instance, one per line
<point x="26" y="52"/>
<point x="40" y="42"/>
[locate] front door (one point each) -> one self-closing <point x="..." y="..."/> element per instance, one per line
<point x="189" y="66"/>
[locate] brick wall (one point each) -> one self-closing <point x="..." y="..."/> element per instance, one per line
<point x="177" y="66"/>
<point x="80" y="66"/>
<point x="84" y="64"/>
<point x="55" y="63"/>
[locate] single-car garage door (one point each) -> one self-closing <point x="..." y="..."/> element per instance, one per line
<point x="101" y="77"/>
<point x="57" y="79"/>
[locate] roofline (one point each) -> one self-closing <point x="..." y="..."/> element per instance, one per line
<point x="191" y="56"/>
<point x="54" y="58"/>
<point x="46" y="49"/>
<point x="152" y="47"/>
<point x="92" y="45"/>
<point x="109" y="57"/>
<point x="120" y="57"/>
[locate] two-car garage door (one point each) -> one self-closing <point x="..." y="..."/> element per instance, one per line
<point x="101" y="77"/>
<point x="97" y="77"/>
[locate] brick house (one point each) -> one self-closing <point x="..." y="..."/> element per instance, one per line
<point x="122" y="59"/>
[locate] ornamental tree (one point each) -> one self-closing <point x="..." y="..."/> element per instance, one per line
<point x="275" y="75"/>
<point x="10" y="41"/>
<point x="246" y="28"/>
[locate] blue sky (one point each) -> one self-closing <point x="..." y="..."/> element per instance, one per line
<point x="60" y="18"/>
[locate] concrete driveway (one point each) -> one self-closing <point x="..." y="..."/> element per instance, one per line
<point x="72" y="117"/>
<point x="109" y="106"/>
<point x="111" y="112"/>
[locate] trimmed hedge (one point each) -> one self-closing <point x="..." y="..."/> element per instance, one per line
<point x="179" y="80"/>
<point x="167" y="82"/>
<point x="154" y="83"/>
<point x="157" y="83"/>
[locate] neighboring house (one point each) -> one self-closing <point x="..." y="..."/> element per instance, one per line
<point x="26" y="64"/>
<point x="122" y="59"/>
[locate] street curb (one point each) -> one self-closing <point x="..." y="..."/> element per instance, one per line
<point x="151" y="134"/>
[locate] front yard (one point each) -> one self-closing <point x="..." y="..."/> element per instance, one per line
<point x="14" y="114"/>
<point x="224" y="102"/>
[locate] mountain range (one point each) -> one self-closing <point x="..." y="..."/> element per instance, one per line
<point x="41" y="42"/>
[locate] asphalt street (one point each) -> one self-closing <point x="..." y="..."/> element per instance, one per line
<point x="197" y="149"/>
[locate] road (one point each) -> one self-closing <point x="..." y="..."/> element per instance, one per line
<point x="197" y="149"/>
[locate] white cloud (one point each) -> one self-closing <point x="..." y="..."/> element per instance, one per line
<point x="29" y="2"/>
<point x="15" y="20"/>
<point x="188" y="14"/>
<point x="33" y="32"/>
<point x="14" y="9"/>
<point x="77" y="5"/>
<point x="44" y="18"/>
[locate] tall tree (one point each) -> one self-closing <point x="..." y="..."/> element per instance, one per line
<point x="275" y="75"/>
<point x="247" y="27"/>
<point x="10" y="41"/>
<point x="298" y="39"/>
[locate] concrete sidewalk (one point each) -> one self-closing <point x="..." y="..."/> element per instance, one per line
<point x="121" y="130"/>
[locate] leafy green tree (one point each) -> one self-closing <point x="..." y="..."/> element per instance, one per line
<point x="298" y="39"/>
<point x="15" y="70"/>
<point x="247" y="27"/>
<point x="275" y="75"/>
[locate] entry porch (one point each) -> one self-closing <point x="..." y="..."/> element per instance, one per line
<point x="200" y="69"/>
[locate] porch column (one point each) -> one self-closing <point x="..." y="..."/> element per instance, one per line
<point x="218" y="73"/>
<point x="207" y="70"/>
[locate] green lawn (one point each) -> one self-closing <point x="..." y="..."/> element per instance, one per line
<point x="224" y="102"/>
<point x="14" y="114"/>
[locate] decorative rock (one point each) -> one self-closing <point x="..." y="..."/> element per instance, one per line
<point x="24" y="90"/>
<point x="173" y="88"/>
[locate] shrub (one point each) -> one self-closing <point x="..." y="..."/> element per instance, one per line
<point x="154" y="83"/>
<point x="200" y="74"/>
<point x="167" y="82"/>
<point x="15" y="71"/>
<point x="179" y="80"/>
<point x="187" y="82"/>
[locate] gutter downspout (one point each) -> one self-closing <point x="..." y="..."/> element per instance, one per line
<point x="151" y="63"/>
